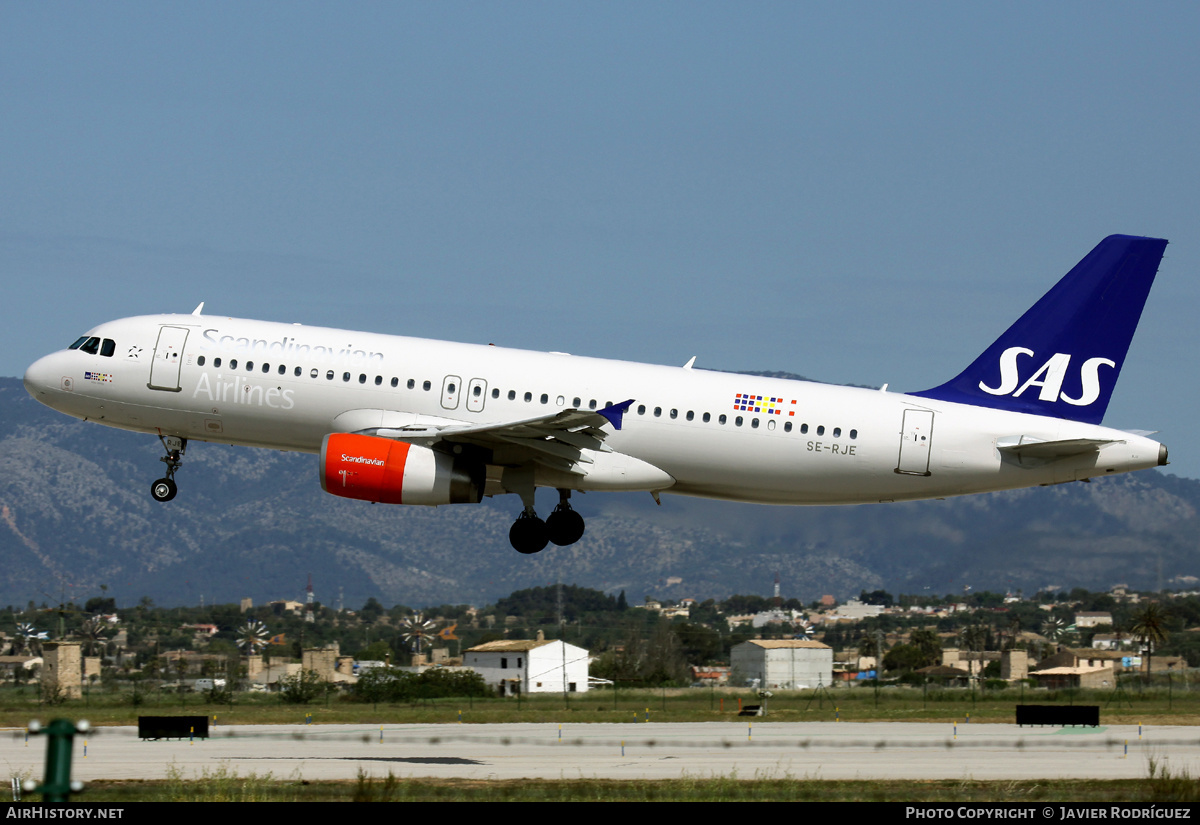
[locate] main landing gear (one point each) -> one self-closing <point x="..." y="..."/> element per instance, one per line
<point x="165" y="489"/>
<point x="529" y="534"/>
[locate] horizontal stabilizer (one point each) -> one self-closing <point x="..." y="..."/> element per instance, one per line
<point x="1024" y="446"/>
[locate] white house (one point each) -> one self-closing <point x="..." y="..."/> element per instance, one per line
<point x="537" y="666"/>
<point x="784" y="663"/>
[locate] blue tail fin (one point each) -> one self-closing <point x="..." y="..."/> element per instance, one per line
<point x="1063" y="356"/>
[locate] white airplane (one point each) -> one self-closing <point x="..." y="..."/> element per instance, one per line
<point x="411" y="421"/>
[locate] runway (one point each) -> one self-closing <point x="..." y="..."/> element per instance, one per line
<point x="822" y="750"/>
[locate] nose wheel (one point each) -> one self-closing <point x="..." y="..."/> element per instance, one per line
<point x="165" y="489"/>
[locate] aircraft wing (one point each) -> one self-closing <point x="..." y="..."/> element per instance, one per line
<point x="558" y="440"/>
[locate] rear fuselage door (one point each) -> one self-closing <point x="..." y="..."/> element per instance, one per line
<point x="916" y="438"/>
<point x="168" y="358"/>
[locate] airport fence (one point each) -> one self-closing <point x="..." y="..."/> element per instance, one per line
<point x="1126" y="704"/>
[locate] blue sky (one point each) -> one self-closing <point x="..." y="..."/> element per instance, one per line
<point x="857" y="192"/>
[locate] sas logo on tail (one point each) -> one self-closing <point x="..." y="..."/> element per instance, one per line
<point x="1049" y="377"/>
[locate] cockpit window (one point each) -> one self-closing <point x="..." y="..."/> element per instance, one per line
<point x="78" y="343"/>
<point x="91" y="346"/>
<point x="108" y="347"/>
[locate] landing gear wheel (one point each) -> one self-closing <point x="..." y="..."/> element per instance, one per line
<point x="565" y="526"/>
<point x="163" y="490"/>
<point x="528" y="534"/>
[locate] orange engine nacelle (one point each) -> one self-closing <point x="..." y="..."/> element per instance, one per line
<point x="393" y="472"/>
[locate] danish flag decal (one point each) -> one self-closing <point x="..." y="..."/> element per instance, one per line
<point x="1063" y="356"/>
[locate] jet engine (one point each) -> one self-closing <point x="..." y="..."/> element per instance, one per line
<point x="393" y="472"/>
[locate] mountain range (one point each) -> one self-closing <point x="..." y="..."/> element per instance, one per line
<point x="77" y="521"/>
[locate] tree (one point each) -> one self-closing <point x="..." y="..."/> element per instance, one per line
<point x="371" y="611"/>
<point x="100" y="605"/>
<point x="929" y="644"/>
<point x="904" y="657"/>
<point x="876" y="597"/>
<point x="1149" y="626"/>
<point x="301" y="688"/>
<point x="701" y="645"/>
<point x="379" y="651"/>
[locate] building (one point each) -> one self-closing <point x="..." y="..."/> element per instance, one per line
<point x="946" y="676"/>
<point x="18" y="669"/>
<point x="1082" y="668"/>
<point x="784" y="663"/>
<point x="530" y="666"/>
<point x="62" y="671"/>
<point x="857" y="611"/>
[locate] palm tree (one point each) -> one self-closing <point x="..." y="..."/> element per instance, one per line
<point x="1149" y="626"/>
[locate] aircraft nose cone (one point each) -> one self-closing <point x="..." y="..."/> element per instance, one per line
<point x="42" y="377"/>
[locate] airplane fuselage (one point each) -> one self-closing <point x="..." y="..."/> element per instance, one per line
<point x="688" y="431"/>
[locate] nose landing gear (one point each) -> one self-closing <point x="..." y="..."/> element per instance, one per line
<point x="165" y="489"/>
